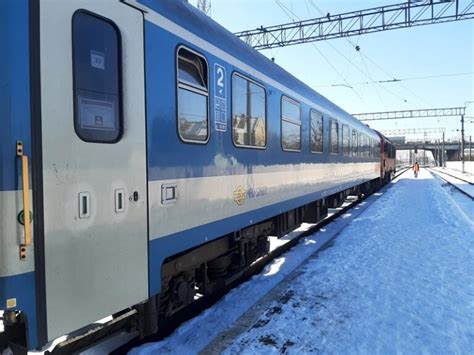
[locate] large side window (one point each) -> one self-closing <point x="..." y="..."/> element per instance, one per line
<point x="316" y="133"/>
<point x="193" y="96"/>
<point x="97" y="71"/>
<point x="354" y="143"/>
<point x="290" y="124"/>
<point x="248" y="113"/>
<point x="366" y="146"/>
<point x="360" y="147"/>
<point x="334" y="139"/>
<point x="364" y="137"/>
<point x="346" y="140"/>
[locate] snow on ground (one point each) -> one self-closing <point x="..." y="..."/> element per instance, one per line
<point x="399" y="279"/>
<point x="468" y="188"/>
<point x="197" y="333"/>
<point x="457" y="165"/>
<point x="465" y="176"/>
<point x="464" y="202"/>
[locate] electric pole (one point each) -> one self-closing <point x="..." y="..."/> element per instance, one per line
<point x="470" y="151"/>
<point x="205" y="6"/>
<point x="462" y="143"/>
<point x="443" y="158"/>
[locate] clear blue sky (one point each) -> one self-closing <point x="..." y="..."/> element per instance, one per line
<point x="405" y="53"/>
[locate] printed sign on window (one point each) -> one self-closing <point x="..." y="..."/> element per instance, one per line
<point x="97" y="114"/>
<point x="97" y="59"/>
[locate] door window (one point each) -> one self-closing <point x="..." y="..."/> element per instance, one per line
<point x="97" y="84"/>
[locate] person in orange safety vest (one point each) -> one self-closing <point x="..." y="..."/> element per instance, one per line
<point x="416" y="169"/>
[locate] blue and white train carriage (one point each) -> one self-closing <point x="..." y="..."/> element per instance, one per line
<point x="153" y="153"/>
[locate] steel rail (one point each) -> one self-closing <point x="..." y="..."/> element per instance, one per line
<point x="454" y="176"/>
<point x="438" y="174"/>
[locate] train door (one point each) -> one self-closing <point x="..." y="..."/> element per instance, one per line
<point x="94" y="161"/>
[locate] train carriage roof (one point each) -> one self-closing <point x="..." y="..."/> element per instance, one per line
<point x="193" y="20"/>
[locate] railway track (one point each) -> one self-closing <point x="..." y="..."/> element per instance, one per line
<point x="454" y="176"/>
<point x="171" y="324"/>
<point x="440" y="174"/>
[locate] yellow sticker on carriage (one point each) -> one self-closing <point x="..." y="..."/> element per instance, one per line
<point x="11" y="303"/>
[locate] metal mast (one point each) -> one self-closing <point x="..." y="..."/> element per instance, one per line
<point x="405" y="131"/>
<point x="408" y="14"/>
<point x="204" y="6"/>
<point x="397" y="115"/>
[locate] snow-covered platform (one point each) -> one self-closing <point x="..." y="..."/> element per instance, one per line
<point x="399" y="277"/>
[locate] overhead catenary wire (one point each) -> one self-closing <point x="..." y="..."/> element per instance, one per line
<point x="372" y="61"/>
<point x="395" y="80"/>
<point x="389" y="75"/>
<point x="377" y="91"/>
<point x="290" y="14"/>
<point x="402" y="99"/>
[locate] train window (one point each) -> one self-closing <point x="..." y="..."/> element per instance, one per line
<point x="193" y="97"/>
<point x="290" y="124"/>
<point x="97" y="78"/>
<point x="366" y="143"/>
<point x="334" y="136"/>
<point x="366" y="150"/>
<point x="316" y="134"/>
<point x="354" y="143"/>
<point x="248" y="112"/>
<point x="346" y="140"/>
<point x="359" y="144"/>
<point x="362" y="145"/>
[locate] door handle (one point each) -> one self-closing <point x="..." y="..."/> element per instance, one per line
<point x="26" y="198"/>
<point x="119" y="200"/>
<point x="84" y="204"/>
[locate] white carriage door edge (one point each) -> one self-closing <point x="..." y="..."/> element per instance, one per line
<point x="95" y="255"/>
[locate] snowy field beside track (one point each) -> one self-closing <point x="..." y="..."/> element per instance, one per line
<point x="463" y="201"/>
<point x="399" y="278"/>
<point x="457" y="165"/>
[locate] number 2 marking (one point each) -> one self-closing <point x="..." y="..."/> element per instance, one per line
<point x="220" y="77"/>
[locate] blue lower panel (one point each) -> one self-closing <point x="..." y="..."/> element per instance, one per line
<point x="22" y="287"/>
<point x="163" y="247"/>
